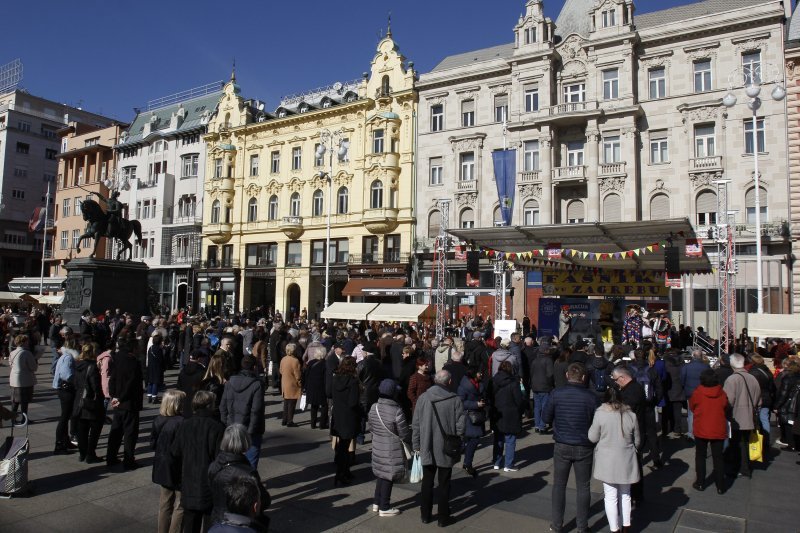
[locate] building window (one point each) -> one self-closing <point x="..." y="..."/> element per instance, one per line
<point x="704" y="141"/>
<point x="501" y="108"/>
<point x="574" y="93"/>
<point x="748" y="135"/>
<point x="319" y="159"/>
<point x="611" y="84"/>
<point x="64" y="239"/>
<point x="342" y="201"/>
<point x="530" y="156"/>
<point x="24" y="126"/>
<point x="391" y="249"/>
<point x="377" y="142"/>
<point x="609" y="18"/>
<point x="254" y="165"/>
<point x="318" y="252"/>
<point x="272" y="213"/>
<point x="575" y="153"/>
<point x="190" y="164"/>
<point x="294" y="253"/>
<point x="218" y="167"/>
<point x="49" y="153"/>
<point x="702" y="76"/>
<point x="65" y="207"/>
<point x="317" y="203"/>
<point x="750" y="205"/>
<point x="659" y="148"/>
<point x="658" y="82"/>
<point x="294" y="204"/>
<point x="467" y="219"/>
<point x="252" y="210"/>
<point x="530" y="213"/>
<point x="339" y="251"/>
<point x="369" y="249"/>
<point x="706" y="208"/>
<point x="659" y="207"/>
<point x="751" y="67"/>
<point x="437" y="117"/>
<point x="275" y="164"/>
<point x="497" y="217"/>
<point x="76" y="202"/>
<point x="531" y="98"/>
<point x="468" y="113"/>
<point x="530" y="35"/>
<point x="20" y="172"/>
<point x="17" y="194"/>
<point x="376" y="195"/>
<point x="297" y="157"/>
<point x="215" y="211"/>
<point x="76" y="234"/>
<point x="575" y="212"/>
<point x="611" y="149"/>
<point x="436" y="177"/>
<point x="467" y="161"/>
<point x="23" y="148"/>
<point x="434" y="223"/>
<point x="262" y="254"/>
<point x="612" y="208"/>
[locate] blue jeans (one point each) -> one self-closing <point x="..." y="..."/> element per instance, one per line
<point x="504" y="445"/>
<point x="254" y="451"/>
<point x="763" y="416"/>
<point x="152" y="389"/>
<point x="540" y="400"/>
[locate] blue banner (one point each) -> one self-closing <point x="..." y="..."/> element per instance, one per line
<point x="505" y="174"/>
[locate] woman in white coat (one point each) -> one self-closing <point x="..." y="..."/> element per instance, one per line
<point x="616" y="433"/>
<point x="22" y="377"/>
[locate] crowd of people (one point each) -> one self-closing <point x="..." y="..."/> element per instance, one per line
<point x="609" y="410"/>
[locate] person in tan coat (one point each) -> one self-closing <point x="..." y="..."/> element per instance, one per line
<point x="291" y="384"/>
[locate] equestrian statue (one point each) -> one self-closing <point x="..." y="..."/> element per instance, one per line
<point x="109" y="224"/>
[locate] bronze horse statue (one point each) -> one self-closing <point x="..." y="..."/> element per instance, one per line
<point x="99" y="225"/>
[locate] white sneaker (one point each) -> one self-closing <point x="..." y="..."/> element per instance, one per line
<point x="779" y="442"/>
<point x="495" y="467"/>
<point x="512" y="469"/>
<point x="374" y="508"/>
<point x="389" y="512"/>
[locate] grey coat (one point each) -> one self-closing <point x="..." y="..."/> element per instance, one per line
<point x="23" y="368"/>
<point x="617" y="438"/>
<point x="744" y="396"/>
<point x="427" y="437"/>
<point x="388" y="459"/>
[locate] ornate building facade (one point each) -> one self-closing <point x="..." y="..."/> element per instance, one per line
<point x="793" y="117"/>
<point x="268" y="193"/>
<point x="616" y="116"/>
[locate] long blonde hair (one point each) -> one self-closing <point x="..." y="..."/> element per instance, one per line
<point x="172" y="403"/>
<point x="216" y="369"/>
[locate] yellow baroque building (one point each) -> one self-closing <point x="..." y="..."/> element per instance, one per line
<point x="268" y="195"/>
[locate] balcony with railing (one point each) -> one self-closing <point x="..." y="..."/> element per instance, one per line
<point x="467" y="186"/>
<point x="218" y="233"/>
<point x="571" y="108"/>
<point x="704" y="164"/>
<point x="570" y="173"/>
<point x="220" y="263"/>
<point x="186" y="220"/>
<point x="392" y="257"/>
<point x="380" y="220"/>
<point x="292" y="226"/>
<point x="530" y="176"/>
<point x="779" y="229"/>
<point x="612" y="169"/>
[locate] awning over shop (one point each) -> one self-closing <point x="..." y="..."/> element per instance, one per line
<point x="49" y="299"/>
<point x="634" y="245"/>
<point x="348" y="311"/>
<point x="361" y="286"/>
<point x="31" y="285"/>
<point x="772" y="325"/>
<point x="402" y="313"/>
<point x="10" y="297"/>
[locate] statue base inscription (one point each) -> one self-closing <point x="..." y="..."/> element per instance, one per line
<point x="101" y="284"/>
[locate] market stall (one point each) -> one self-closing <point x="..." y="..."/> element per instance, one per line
<point x="348" y="311"/>
<point x="402" y="313"/>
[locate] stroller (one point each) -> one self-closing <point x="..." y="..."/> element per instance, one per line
<point x="14" y="462"/>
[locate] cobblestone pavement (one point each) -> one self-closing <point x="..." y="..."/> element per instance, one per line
<point x="297" y="464"/>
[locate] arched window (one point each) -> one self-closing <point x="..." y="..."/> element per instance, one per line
<point x="497" y="217"/>
<point x="530" y="213"/>
<point x="215" y="212"/>
<point x="575" y="212"/>
<point x="343" y="199"/>
<point x="273" y="207"/>
<point x="612" y="208"/>
<point x="376" y="195"/>
<point x="294" y="204"/>
<point x="659" y="207"/>
<point x="434" y="223"/>
<point x="467" y="218"/>
<point x="385" y="89"/>
<point x="252" y="210"/>
<point x="750" y="204"/>
<point x="318" y="201"/>
<point x="706" y="208"/>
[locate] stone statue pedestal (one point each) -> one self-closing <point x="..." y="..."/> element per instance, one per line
<point x="101" y="284"/>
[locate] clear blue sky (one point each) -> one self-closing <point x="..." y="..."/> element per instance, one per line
<point x="112" y="55"/>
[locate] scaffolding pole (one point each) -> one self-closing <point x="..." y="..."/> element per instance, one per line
<point x="441" y="246"/>
<point x="726" y="269"/>
<point x="499" y="289"/>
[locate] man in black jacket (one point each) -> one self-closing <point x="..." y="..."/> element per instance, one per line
<point x="275" y="340"/>
<point x="457" y="369"/>
<point x="542" y="383"/>
<point x="125" y="388"/>
<point x="243" y="403"/>
<point x="396" y="355"/>
<point x="571" y="411"/>
<point x="190" y="378"/>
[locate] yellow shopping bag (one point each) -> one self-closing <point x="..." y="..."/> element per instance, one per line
<point x="756" y="446"/>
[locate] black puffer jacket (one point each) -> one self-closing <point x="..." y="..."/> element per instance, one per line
<point x="767" y="383"/>
<point x="314" y="382"/>
<point x="166" y="470"/>
<point x="507" y="403"/>
<point x="788" y="389"/>
<point x="674" y="387"/>
<point x="87" y="381"/>
<point x="125" y="383"/>
<point x="189" y="381"/>
<point x="196" y="445"/>
<point x="542" y="373"/>
<point x="370" y="374"/>
<point x="346" y="406"/>
<point x="243" y="402"/>
<point x="228" y="466"/>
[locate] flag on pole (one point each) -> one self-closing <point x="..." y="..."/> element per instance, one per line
<point x="37" y="220"/>
<point x="505" y="173"/>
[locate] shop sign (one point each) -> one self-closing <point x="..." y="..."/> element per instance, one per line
<point x="694" y="248"/>
<point x="378" y="270"/>
<point x="554" y="250"/>
<point x="609" y="283"/>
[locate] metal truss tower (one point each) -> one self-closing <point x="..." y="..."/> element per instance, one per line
<point x="441" y="246"/>
<point x="726" y="269"/>
<point x="499" y="289"/>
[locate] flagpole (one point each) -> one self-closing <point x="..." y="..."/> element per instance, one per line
<point x="44" y="237"/>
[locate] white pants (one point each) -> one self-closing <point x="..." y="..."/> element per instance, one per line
<point x="618" y="505"/>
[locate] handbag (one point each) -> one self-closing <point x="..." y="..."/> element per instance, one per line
<point x="416" y="470"/>
<point x="406" y="449"/>
<point x="302" y="406"/>
<point x="452" y="443"/>
<point x="86" y="402"/>
<point x="756" y="445"/>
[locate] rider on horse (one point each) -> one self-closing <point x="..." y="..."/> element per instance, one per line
<point x="113" y="209"/>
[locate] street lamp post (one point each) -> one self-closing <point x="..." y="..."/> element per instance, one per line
<point x="326" y="139"/>
<point x="753" y="75"/>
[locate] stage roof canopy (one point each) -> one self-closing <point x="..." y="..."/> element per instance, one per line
<point x="597" y="238"/>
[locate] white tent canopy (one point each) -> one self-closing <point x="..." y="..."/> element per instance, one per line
<point x="348" y="311"/>
<point x="10" y="297"/>
<point x="773" y="325"/>
<point x="400" y="312"/>
<point x="50" y="299"/>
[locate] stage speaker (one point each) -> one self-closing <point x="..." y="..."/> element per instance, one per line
<point x="672" y="260"/>
<point x="473" y="267"/>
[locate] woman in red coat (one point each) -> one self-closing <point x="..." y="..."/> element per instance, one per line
<point x="710" y="406"/>
<point x="419" y="382"/>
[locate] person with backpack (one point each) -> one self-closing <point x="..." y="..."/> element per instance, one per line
<point x="647" y="376"/>
<point x="599" y="370"/>
<point x="542" y="383"/>
<point x="672" y="414"/>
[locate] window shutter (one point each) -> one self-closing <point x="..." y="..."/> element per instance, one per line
<point x="575" y="210"/>
<point x="467" y="106"/>
<point x="468" y="215"/>
<point x="750" y="198"/>
<point x="707" y="202"/>
<point x="501" y="100"/>
<point x="659" y="207"/>
<point x="612" y="208"/>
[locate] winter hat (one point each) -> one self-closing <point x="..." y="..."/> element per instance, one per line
<point x="388" y="387"/>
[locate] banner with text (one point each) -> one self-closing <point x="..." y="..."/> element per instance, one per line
<point x="620" y="283"/>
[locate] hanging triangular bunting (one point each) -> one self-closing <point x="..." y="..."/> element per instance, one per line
<point x="650" y="248"/>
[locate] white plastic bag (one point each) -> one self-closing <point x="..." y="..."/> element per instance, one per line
<point x="416" y="469"/>
<point x="302" y="406"/>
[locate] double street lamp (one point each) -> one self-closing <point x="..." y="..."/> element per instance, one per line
<point x="754" y="75"/>
<point x="327" y="140"/>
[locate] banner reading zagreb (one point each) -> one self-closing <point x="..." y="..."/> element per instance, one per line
<point x="505" y="173"/>
<point x="605" y="283"/>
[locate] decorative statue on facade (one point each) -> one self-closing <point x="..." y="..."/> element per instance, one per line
<point x="632" y="325"/>
<point x="109" y="224"/>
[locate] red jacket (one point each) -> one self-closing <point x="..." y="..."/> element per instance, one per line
<point x="709" y="406"/>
